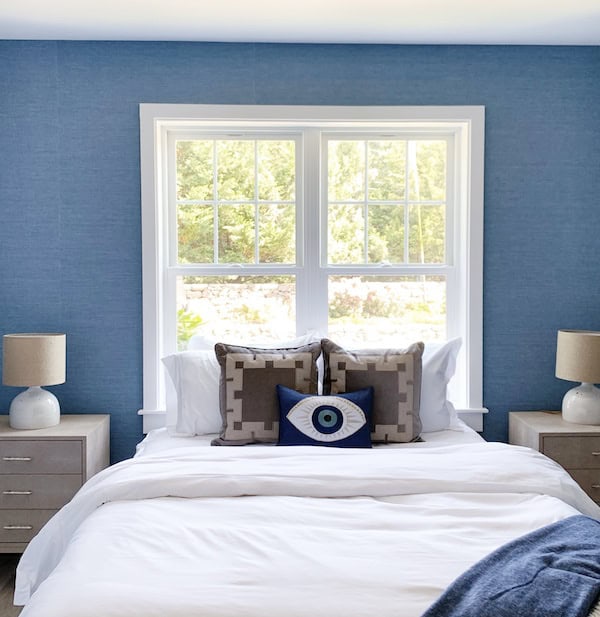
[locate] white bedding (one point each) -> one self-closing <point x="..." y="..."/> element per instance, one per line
<point x="161" y="439"/>
<point x="299" y="531"/>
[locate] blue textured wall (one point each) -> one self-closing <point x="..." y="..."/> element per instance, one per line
<point x="70" y="248"/>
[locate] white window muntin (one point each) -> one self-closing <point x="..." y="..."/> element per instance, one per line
<point x="369" y="134"/>
<point x="464" y="242"/>
<point x="170" y="176"/>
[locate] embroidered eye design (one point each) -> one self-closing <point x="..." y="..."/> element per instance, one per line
<point x="327" y="418"/>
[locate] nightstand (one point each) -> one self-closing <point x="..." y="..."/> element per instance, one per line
<point x="576" y="447"/>
<point x="41" y="470"/>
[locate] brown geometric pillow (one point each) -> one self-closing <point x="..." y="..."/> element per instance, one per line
<point x="395" y="375"/>
<point x="247" y="390"/>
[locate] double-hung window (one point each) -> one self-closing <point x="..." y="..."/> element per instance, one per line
<point x="262" y="223"/>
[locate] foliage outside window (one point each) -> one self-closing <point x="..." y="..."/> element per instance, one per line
<point x="235" y="201"/>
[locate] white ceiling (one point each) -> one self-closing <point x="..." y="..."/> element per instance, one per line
<point x="510" y="22"/>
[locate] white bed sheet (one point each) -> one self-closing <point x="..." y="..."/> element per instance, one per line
<point x="161" y="439"/>
<point x="294" y="532"/>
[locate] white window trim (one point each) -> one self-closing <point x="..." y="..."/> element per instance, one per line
<point x="468" y="122"/>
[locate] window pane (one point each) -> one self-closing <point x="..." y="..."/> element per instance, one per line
<point x="427" y="164"/>
<point x="346" y="170"/>
<point x="276" y="170"/>
<point x="236" y="234"/>
<point x="387" y="169"/>
<point x="194" y="234"/>
<point x="276" y="233"/>
<point x="386" y="233"/>
<point x="346" y="231"/>
<point x="427" y="234"/>
<point x="236" y="309"/>
<point x="390" y="238"/>
<point x="195" y="169"/>
<point x="386" y="311"/>
<point x="235" y="170"/>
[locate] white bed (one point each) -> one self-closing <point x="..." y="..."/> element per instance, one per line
<point x="161" y="439"/>
<point x="185" y="530"/>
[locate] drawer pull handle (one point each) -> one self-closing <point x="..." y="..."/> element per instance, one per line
<point x="18" y="527"/>
<point x="595" y="485"/>
<point x="595" y="453"/>
<point x="17" y="492"/>
<point x="16" y="458"/>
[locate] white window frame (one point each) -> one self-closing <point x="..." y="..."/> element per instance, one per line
<point x="464" y="272"/>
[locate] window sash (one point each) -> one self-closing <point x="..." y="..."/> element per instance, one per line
<point x="170" y="178"/>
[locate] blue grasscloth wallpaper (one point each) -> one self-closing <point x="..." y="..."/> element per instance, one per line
<point x="70" y="247"/>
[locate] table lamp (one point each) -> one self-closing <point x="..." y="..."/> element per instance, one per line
<point x="34" y="360"/>
<point x="578" y="359"/>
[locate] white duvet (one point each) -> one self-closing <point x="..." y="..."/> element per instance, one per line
<point x="287" y="532"/>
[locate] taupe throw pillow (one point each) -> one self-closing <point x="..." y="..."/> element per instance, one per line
<point x="247" y="390"/>
<point x="395" y="375"/>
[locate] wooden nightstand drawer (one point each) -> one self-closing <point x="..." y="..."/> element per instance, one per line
<point x="573" y="451"/>
<point x="589" y="480"/>
<point x="22" y="525"/>
<point x="34" y="457"/>
<point x="40" y="491"/>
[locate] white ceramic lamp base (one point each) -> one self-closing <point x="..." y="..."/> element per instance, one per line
<point x="34" y="408"/>
<point x="581" y="405"/>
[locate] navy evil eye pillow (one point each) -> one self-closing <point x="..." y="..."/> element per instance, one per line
<point x="341" y="420"/>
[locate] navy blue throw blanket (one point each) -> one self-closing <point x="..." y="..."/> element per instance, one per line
<point x="551" y="572"/>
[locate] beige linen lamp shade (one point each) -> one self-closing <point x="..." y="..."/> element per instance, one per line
<point x="34" y="360"/>
<point x="578" y="359"/>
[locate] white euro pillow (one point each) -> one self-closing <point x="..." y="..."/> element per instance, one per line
<point x="195" y="378"/>
<point x="439" y="364"/>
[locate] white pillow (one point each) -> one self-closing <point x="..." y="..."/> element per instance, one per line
<point x="195" y="377"/>
<point x="193" y="402"/>
<point x="439" y="363"/>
